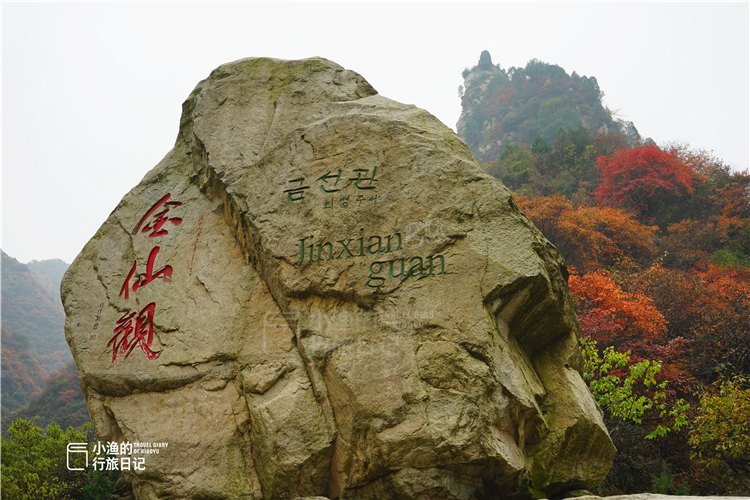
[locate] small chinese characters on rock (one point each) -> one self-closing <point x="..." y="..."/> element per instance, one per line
<point x="98" y="316"/>
<point x="96" y="321"/>
<point x="328" y="183"/>
<point x="347" y="201"/>
<point x="198" y="233"/>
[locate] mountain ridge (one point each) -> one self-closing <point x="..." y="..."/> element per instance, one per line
<point x="33" y="321"/>
<point x="516" y="106"/>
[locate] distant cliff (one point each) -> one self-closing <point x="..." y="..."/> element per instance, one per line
<point x="518" y="105"/>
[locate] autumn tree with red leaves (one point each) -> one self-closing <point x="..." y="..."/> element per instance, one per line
<point x="642" y="179"/>
<point x="614" y="317"/>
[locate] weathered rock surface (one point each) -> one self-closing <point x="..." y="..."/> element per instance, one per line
<point x="319" y="293"/>
<point x="635" y="496"/>
<point x="656" y="496"/>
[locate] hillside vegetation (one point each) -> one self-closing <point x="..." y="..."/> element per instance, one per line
<point x="30" y="308"/>
<point x="49" y="274"/>
<point x="59" y="400"/>
<point x="33" y="338"/>
<point x="22" y="377"/>
<point x="657" y="240"/>
<point x="517" y="105"/>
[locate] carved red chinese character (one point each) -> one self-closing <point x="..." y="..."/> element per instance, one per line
<point x="142" y="333"/>
<point x="144" y="279"/>
<point x="159" y="218"/>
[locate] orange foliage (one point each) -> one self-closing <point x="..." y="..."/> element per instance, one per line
<point x="68" y="396"/>
<point x="709" y="308"/>
<point x="590" y="237"/>
<point x="735" y="198"/>
<point x="629" y="321"/>
<point x="723" y="333"/>
<point x="612" y="316"/>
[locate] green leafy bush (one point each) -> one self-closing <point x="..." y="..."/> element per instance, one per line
<point x="617" y="396"/>
<point x="721" y="431"/>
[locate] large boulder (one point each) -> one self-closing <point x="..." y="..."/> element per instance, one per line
<point x="319" y="292"/>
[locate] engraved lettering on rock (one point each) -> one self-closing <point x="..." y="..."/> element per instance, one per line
<point x="96" y="321"/>
<point x="135" y="328"/>
<point x="414" y="267"/>
<point x="328" y="183"/>
<point x="198" y="233"/>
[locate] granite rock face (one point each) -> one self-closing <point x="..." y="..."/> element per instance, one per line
<point x="319" y="293"/>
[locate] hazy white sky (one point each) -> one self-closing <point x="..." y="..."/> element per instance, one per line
<point x="92" y="92"/>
